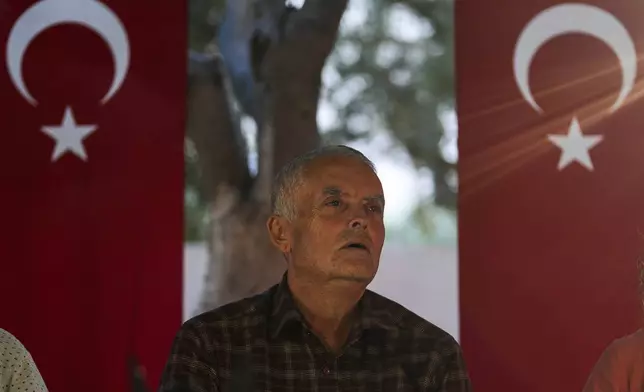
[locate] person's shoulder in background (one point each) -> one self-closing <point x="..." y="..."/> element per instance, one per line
<point x="18" y="371"/>
<point x="620" y="367"/>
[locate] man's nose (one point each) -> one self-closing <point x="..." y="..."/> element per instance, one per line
<point x="358" y="218"/>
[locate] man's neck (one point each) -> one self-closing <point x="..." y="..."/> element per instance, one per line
<point x="330" y="309"/>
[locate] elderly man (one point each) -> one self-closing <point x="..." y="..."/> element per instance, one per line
<point x="319" y="329"/>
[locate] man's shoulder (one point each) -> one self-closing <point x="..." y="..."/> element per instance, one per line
<point x="17" y="363"/>
<point x="627" y="348"/>
<point x="10" y="343"/>
<point x="245" y="313"/>
<point x="617" y="364"/>
<point x="634" y="339"/>
<point x="406" y="321"/>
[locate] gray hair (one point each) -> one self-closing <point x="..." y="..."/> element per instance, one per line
<point x="291" y="177"/>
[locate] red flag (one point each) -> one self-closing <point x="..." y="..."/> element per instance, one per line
<point x="91" y="186"/>
<point x="551" y="191"/>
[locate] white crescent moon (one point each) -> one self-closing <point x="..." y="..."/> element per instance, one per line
<point x="47" y="13"/>
<point x="574" y="18"/>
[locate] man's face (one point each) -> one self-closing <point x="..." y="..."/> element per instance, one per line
<point x="338" y="232"/>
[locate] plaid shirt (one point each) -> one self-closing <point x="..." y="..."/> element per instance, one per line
<point x="263" y="344"/>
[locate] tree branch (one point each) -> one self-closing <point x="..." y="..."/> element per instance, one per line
<point x="222" y="155"/>
<point x="320" y="17"/>
<point x="292" y="73"/>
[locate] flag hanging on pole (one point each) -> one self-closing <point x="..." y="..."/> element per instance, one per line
<point x="93" y="97"/>
<point x="551" y="182"/>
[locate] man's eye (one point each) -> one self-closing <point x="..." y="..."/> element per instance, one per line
<point x="375" y="208"/>
<point x="333" y="203"/>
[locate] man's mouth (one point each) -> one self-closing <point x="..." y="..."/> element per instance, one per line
<point x="356" y="245"/>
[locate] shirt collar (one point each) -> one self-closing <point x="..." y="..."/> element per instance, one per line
<point x="285" y="314"/>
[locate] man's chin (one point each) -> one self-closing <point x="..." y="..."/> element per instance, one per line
<point x="359" y="277"/>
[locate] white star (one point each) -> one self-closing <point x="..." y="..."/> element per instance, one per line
<point x="69" y="136"/>
<point x="575" y="146"/>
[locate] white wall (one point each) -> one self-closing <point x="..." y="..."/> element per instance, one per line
<point x="424" y="279"/>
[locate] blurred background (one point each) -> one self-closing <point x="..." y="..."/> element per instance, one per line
<point x="387" y="89"/>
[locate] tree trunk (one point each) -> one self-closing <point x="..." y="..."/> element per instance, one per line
<point x="242" y="262"/>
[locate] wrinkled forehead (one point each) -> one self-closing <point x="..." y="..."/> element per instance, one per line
<point x="341" y="174"/>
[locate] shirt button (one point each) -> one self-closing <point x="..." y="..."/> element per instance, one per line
<point x="326" y="371"/>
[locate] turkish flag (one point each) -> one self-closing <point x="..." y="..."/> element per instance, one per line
<point x="551" y="191"/>
<point x="91" y="186"/>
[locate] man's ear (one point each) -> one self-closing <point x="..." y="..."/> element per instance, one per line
<point x="279" y="231"/>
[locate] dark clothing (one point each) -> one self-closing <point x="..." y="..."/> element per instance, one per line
<point x="263" y="344"/>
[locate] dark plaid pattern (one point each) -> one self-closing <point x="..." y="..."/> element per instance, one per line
<point x="262" y="344"/>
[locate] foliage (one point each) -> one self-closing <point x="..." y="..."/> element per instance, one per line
<point x="397" y="83"/>
<point x="405" y="82"/>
